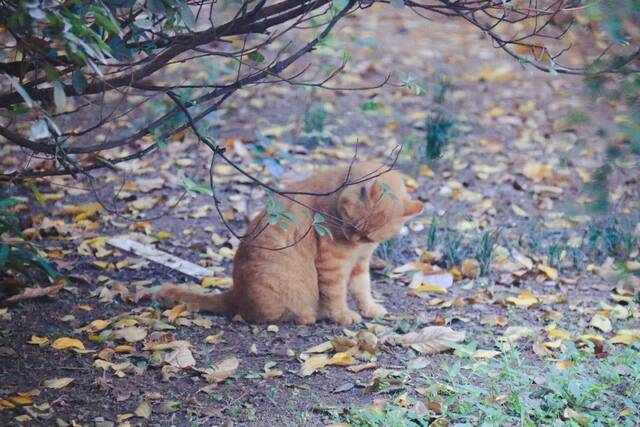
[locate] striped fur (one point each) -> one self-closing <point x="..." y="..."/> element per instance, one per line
<point x="311" y="279"/>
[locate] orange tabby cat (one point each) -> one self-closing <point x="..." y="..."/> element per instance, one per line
<point x="310" y="279"/>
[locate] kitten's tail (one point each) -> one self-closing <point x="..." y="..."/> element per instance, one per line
<point x="213" y="303"/>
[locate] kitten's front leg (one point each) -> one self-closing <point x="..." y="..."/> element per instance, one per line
<point x="360" y="287"/>
<point x="332" y="284"/>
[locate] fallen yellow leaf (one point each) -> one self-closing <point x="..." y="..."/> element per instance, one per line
<point x="218" y="282"/>
<point x="553" y="345"/>
<point x="57" y="383"/>
<point x="626" y="337"/>
<point x="341" y="359"/>
<point x="320" y="348"/>
<point x="143" y="410"/>
<point x="524" y="299"/>
<point x="65" y="342"/>
<point x="176" y="312"/>
<point x="558" y="334"/>
<point x="21" y="400"/>
<point x="97" y="325"/>
<point x="36" y="340"/>
<point x="519" y="211"/>
<point x="427" y="287"/>
<point x="550" y="272"/>
<point x="563" y="364"/>
<point x="486" y="354"/>
<point x="312" y="364"/>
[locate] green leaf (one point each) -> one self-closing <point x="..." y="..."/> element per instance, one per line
<point x="371" y="106"/>
<point x="186" y="14"/>
<point x="323" y="231"/>
<point x="106" y="22"/>
<point x="340" y="4"/>
<point x="194" y="187"/>
<point x="44" y="265"/>
<point x="255" y="56"/>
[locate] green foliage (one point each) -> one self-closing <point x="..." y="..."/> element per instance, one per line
<point x="277" y="214"/>
<point x="439" y="132"/>
<point x="17" y="254"/>
<point x="315" y="120"/>
<point x="432" y="234"/>
<point x="390" y="416"/>
<point x="452" y="248"/>
<point x="512" y="391"/>
<point x="484" y="250"/>
<point x="442" y="88"/>
<point x="320" y="227"/>
<point x="194" y="187"/>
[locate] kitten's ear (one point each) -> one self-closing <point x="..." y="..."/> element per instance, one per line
<point x="412" y="207"/>
<point x="374" y="189"/>
<point x="345" y="207"/>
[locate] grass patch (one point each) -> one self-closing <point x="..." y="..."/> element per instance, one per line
<point x="510" y="391"/>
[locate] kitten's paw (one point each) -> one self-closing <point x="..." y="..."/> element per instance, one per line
<point x="374" y="310"/>
<point x="347" y="317"/>
<point x="306" y="319"/>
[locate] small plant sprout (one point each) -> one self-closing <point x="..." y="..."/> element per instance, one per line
<point x="432" y="234"/>
<point x="484" y="250"/>
<point x="452" y="246"/>
<point x="440" y="130"/>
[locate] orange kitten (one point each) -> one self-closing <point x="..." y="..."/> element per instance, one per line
<point x="310" y="279"/>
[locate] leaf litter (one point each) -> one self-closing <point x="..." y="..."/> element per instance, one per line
<point x="155" y="361"/>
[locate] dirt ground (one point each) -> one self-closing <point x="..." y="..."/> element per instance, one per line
<point x="518" y="164"/>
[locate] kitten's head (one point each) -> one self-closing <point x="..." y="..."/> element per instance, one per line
<point x="376" y="210"/>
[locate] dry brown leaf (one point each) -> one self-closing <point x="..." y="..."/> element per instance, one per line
<point x="470" y="268"/>
<point x="143" y="410"/>
<point x="485" y="354"/>
<point x="130" y="334"/>
<point x="30" y="293"/>
<point x="312" y="364"/>
<point x="57" y="383"/>
<point x="222" y="370"/>
<point x="362" y="367"/>
<point x="514" y="333"/>
<point x="180" y="358"/>
<point x="430" y="340"/>
<point x="320" y="348"/>
<point x="176" y="312"/>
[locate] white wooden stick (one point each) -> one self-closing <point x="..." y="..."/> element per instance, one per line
<point x="160" y="257"/>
